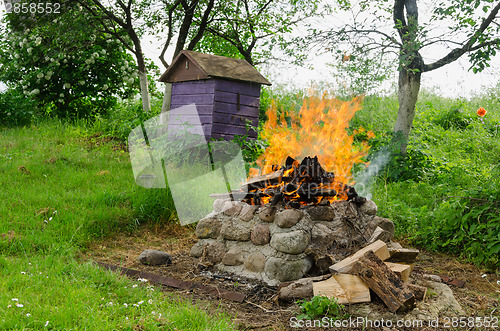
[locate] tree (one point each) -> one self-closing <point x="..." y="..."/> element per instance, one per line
<point x="473" y="29"/>
<point x="64" y="62"/>
<point x="119" y="19"/>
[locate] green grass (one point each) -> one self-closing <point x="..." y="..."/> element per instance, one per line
<point x="61" y="191"/>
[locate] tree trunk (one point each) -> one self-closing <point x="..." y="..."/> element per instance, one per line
<point x="408" y="88"/>
<point x="143" y="78"/>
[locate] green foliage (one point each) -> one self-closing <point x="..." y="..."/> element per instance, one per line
<point x="65" y="63"/>
<point x="15" y="109"/>
<point x="321" y="306"/>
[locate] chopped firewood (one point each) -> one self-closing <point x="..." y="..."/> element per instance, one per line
<point x="345" y="288"/>
<point x="385" y="283"/>
<point x="420" y="292"/>
<point x="379" y="248"/>
<point x="403" y="255"/>
<point x="262" y="181"/>
<point x="402" y="270"/>
<point x="380" y="234"/>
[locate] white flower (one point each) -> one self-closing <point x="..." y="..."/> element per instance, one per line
<point x="67" y="85"/>
<point x="95" y="54"/>
<point x="142" y="280"/>
<point x="8" y="114"/>
<point x="484" y="275"/>
<point x="82" y="82"/>
<point x="125" y="304"/>
<point x="35" y="91"/>
<point x="103" y="52"/>
<point x="23" y="272"/>
<point x="50" y="218"/>
<point x="19" y="305"/>
<point x="29" y="50"/>
<point x="140" y="302"/>
<point x="48" y="77"/>
<point x="105" y="87"/>
<point x="16" y="56"/>
<point x="498" y="282"/>
<point x="130" y="80"/>
<point x="62" y="96"/>
<point x="21" y="44"/>
<point x="60" y="100"/>
<point x="46" y="323"/>
<point x="28" y="315"/>
<point x="135" y="285"/>
<point x="40" y="75"/>
<point x="88" y="61"/>
<point x="9" y="306"/>
<point x="15" y="299"/>
<point x="150" y="301"/>
<point x="55" y="211"/>
<point x="38" y="41"/>
<point x="47" y="58"/>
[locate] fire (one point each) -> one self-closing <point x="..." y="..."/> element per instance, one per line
<point x="319" y="129"/>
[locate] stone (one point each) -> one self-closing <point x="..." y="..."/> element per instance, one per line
<point x="321" y="213"/>
<point x="380" y="234"/>
<point x="288" y="218"/>
<point x="368" y="208"/>
<point x="260" y="234"/>
<point x="321" y="234"/>
<point x="233" y="257"/>
<point x="213" y="252"/>
<point x="231" y="208"/>
<point x="247" y="212"/>
<point x="255" y="262"/>
<point x="208" y="228"/>
<point x="267" y="213"/>
<point x="154" y="257"/>
<point x="233" y="230"/>
<point x="284" y="270"/>
<point x="219" y="204"/>
<point x="293" y="242"/>
<point x="197" y="249"/>
<point x="384" y="224"/>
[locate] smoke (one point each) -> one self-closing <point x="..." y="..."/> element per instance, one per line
<point x="364" y="179"/>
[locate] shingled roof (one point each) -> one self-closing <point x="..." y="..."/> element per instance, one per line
<point x="211" y="66"/>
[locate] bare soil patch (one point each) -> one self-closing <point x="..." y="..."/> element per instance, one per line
<point x="261" y="309"/>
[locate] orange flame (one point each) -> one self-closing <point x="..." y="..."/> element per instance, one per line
<point x="319" y="129"/>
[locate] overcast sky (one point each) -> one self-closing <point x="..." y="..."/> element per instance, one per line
<point x="451" y="80"/>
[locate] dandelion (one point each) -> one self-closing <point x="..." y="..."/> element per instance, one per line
<point x="484" y="275"/>
<point x="481" y="112"/>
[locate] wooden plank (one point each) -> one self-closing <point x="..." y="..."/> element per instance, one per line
<point x="193" y="87"/>
<point x="405" y="255"/>
<point x="197" y="99"/>
<point x="379" y="248"/>
<point x="262" y="181"/>
<point x="231" y="108"/>
<point x="251" y="135"/>
<point x="234" y="119"/>
<point x="179" y="119"/>
<point x="402" y="270"/>
<point x="230" y="129"/>
<point x="202" y="109"/>
<point x="420" y="292"/>
<point x="246" y="88"/>
<point x="385" y="283"/>
<point x="229" y="97"/>
<point x="331" y="289"/>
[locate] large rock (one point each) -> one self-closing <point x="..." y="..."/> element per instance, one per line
<point x="233" y="230"/>
<point x="154" y="257"/>
<point x="267" y="213"/>
<point x="255" y="262"/>
<point x="284" y="270"/>
<point x="208" y="228"/>
<point x="213" y="252"/>
<point x="321" y="213"/>
<point x="232" y="208"/>
<point x="233" y="257"/>
<point x="247" y="212"/>
<point x="260" y="234"/>
<point x="288" y="218"/>
<point x="368" y="208"/>
<point x="293" y="242"/>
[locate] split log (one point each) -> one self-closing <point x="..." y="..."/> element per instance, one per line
<point x="345" y="266"/>
<point x="262" y="181"/>
<point x="403" y="255"/>
<point x="402" y="270"/>
<point x="420" y="292"/>
<point x="345" y="288"/>
<point x="385" y="283"/>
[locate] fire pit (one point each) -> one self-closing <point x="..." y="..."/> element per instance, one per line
<point x="290" y="223"/>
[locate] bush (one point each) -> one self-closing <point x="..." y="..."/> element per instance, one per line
<point x="15" y="109"/>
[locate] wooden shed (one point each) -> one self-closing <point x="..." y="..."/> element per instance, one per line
<point x="226" y="92"/>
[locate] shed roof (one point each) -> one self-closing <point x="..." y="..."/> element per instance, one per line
<point x="213" y="66"/>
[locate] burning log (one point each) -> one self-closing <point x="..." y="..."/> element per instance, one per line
<point x="297" y="184"/>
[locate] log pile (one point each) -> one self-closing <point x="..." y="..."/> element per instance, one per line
<point x="383" y="270"/>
